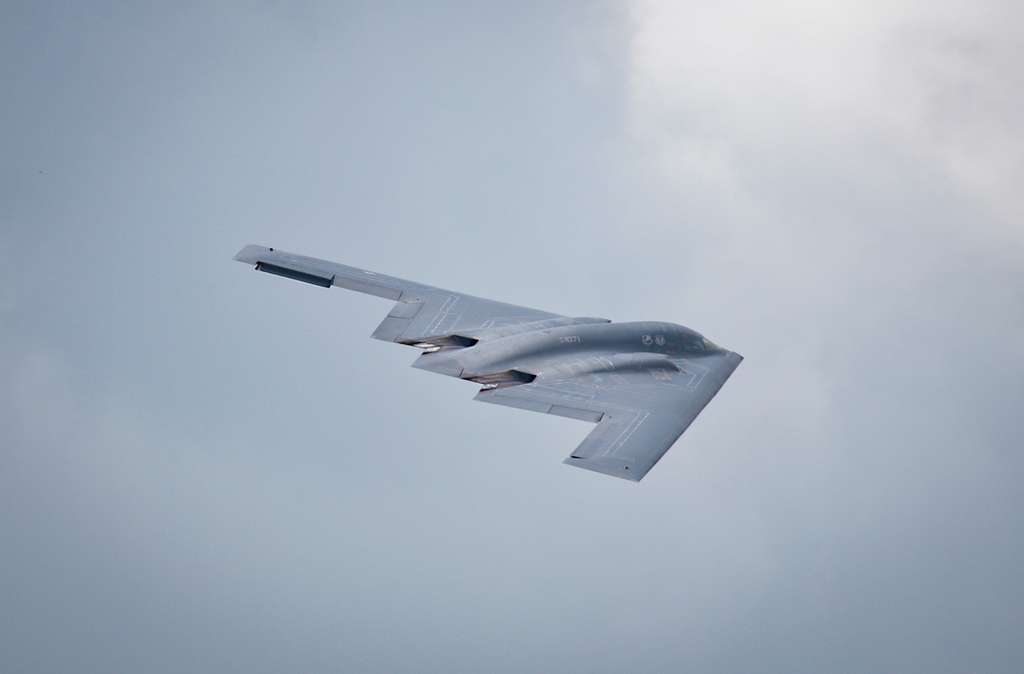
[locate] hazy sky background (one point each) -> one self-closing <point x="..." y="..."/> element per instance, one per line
<point x="207" y="469"/>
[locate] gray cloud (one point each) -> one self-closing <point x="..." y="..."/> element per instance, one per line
<point x="209" y="470"/>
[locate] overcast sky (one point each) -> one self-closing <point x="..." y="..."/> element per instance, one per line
<point x="205" y="469"/>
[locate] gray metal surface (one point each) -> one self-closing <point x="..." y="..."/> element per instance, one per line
<point x="642" y="383"/>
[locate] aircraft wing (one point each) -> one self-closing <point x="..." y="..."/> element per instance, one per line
<point x="639" y="413"/>
<point x="421" y="313"/>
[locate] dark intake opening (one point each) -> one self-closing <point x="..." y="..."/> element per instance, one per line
<point x="503" y="379"/>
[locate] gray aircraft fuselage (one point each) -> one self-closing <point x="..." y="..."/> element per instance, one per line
<point x="592" y="346"/>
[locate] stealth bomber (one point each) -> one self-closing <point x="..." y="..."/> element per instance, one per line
<point x="642" y="383"/>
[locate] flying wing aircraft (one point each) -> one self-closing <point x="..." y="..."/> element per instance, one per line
<point x="642" y="383"/>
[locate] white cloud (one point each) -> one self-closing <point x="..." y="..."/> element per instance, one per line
<point x="710" y="82"/>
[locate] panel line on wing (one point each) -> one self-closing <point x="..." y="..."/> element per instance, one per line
<point x="631" y="428"/>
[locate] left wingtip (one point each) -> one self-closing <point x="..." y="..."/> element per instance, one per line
<point x="251" y="254"/>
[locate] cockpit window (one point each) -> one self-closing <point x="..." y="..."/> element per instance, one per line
<point x="708" y="345"/>
<point x="693" y="344"/>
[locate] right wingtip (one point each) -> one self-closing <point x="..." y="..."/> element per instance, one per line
<point x="610" y="467"/>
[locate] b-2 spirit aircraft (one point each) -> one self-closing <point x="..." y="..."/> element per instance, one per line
<point x="642" y="383"/>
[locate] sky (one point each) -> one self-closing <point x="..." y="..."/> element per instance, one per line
<point x="204" y="469"/>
